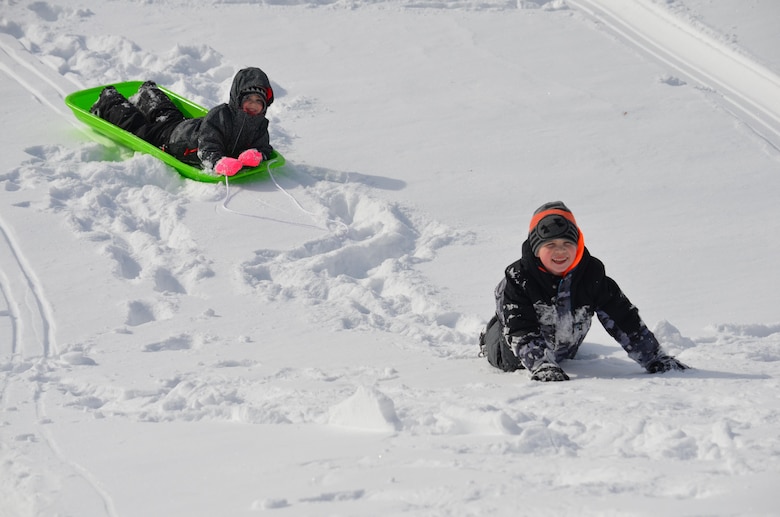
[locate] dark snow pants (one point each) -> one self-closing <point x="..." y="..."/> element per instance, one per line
<point x="153" y="117"/>
<point x="493" y="345"/>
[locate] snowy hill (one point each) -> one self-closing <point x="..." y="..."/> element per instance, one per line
<point x="306" y="344"/>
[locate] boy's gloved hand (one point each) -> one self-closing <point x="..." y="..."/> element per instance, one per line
<point x="548" y="372"/>
<point x="251" y="157"/>
<point x="228" y="166"/>
<point x="664" y="363"/>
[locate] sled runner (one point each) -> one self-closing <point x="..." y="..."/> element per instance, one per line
<point x="80" y="102"/>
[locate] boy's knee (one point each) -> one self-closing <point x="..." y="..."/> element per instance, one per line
<point x="496" y="349"/>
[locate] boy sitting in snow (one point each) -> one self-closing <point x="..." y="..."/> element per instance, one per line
<point x="547" y="299"/>
<point x="229" y="137"/>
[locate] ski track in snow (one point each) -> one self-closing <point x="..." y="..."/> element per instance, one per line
<point x="747" y="89"/>
<point x="32" y="333"/>
<point x="29" y="349"/>
<point x="361" y="279"/>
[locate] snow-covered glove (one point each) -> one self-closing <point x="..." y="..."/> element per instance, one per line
<point x="664" y="363"/>
<point x="547" y="372"/>
<point x="228" y="166"/>
<point x="251" y="157"/>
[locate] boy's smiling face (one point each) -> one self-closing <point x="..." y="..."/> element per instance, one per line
<point x="557" y="255"/>
<point x="253" y="104"/>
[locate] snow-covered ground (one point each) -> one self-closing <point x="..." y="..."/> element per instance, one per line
<point x="306" y="344"/>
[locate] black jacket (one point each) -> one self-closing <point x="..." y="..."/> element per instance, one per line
<point x="226" y="130"/>
<point x="546" y="317"/>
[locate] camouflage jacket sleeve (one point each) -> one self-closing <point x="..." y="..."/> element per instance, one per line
<point x="621" y="320"/>
<point x="521" y="325"/>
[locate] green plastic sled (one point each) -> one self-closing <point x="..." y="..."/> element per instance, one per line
<point x="80" y="102"/>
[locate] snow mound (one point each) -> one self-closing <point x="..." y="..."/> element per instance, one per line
<point x="367" y="409"/>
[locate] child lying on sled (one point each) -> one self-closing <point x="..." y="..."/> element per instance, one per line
<point x="229" y="137"/>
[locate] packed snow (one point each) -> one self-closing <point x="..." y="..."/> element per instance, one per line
<point x="306" y="344"/>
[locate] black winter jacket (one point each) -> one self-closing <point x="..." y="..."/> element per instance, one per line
<point x="226" y="130"/>
<point x="546" y="317"/>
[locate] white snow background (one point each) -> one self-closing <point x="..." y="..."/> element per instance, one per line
<point x="173" y="348"/>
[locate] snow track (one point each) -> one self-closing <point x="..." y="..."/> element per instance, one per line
<point x="29" y="316"/>
<point x="750" y="91"/>
<point x="32" y="333"/>
<point x="36" y="478"/>
<point x="48" y="88"/>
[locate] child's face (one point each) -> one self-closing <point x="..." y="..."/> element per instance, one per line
<point x="253" y="104"/>
<point x="557" y="255"/>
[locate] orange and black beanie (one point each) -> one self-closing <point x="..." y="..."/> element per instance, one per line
<point x="552" y="220"/>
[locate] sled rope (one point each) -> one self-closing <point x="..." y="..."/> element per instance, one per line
<point x="283" y="191"/>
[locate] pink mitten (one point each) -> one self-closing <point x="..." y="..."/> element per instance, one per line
<point x="251" y="157"/>
<point x="228" y="166"/>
